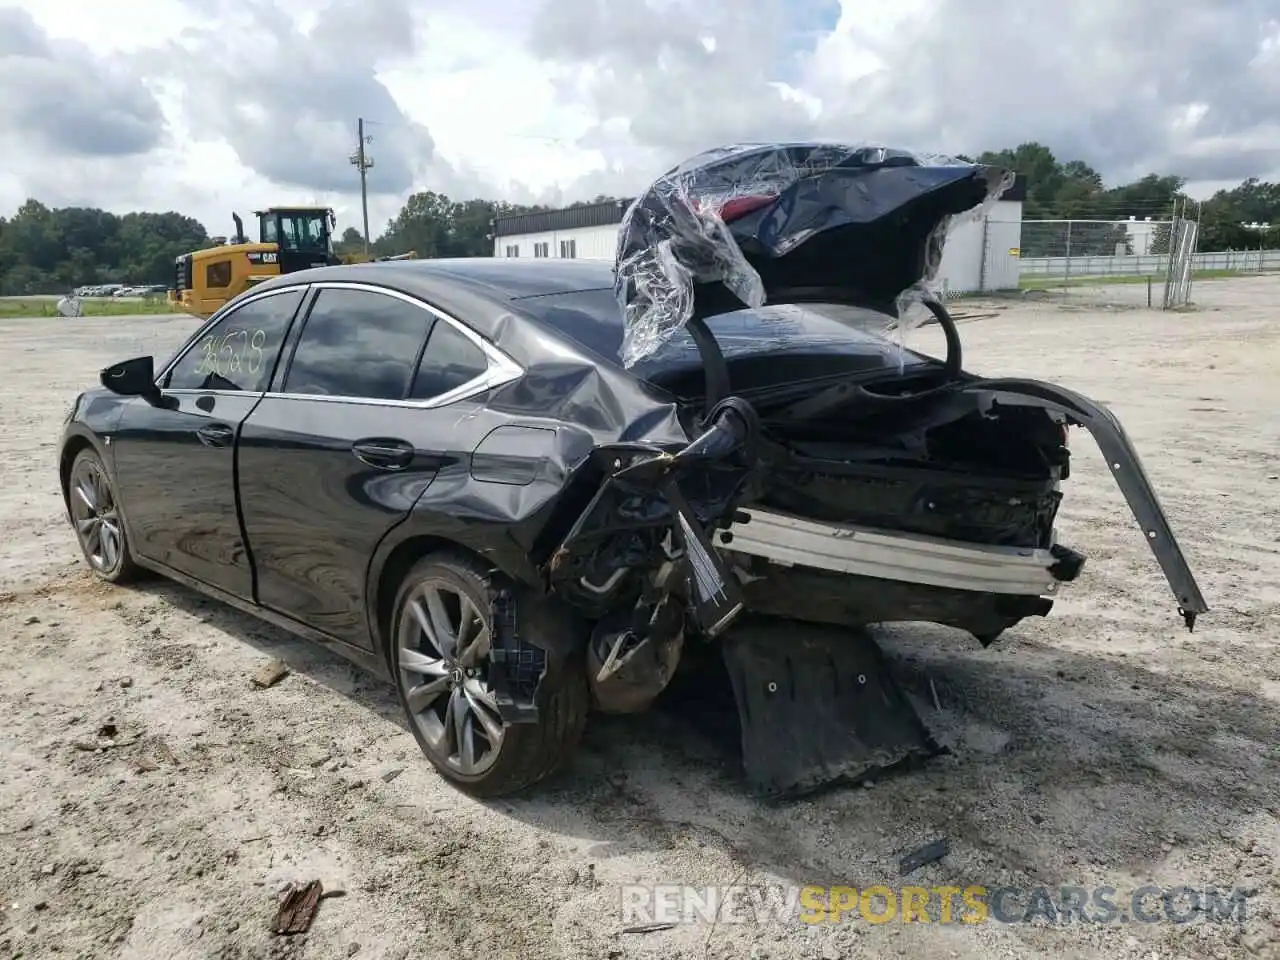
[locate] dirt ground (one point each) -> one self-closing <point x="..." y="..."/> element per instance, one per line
<point x="1101" y="746"/>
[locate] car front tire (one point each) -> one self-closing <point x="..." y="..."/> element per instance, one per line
<point x="95" y="514"/>
<point x="439" y="651"/>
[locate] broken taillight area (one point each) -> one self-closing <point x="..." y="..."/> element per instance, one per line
<point x="741" y="206"/>
<point x="731" y="208"/>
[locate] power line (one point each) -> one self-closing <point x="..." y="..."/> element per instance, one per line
<point x="363" y="162"/>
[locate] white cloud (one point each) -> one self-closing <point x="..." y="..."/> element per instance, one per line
<point x="213" y="106"/>
<point x="493" y="108"/>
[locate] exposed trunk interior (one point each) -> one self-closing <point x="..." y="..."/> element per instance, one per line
<point x="941" y="467"/>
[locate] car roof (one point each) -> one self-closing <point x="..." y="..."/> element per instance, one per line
<point x="517" y="278"/>
<point x="574" y="300"/>
<point x="503" y="278"/>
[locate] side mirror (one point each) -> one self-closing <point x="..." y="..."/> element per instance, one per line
<point x="132" y="378"/>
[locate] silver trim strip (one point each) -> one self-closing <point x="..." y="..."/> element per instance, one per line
<point x="501" y="370"/>
<point x="911" y="558"/>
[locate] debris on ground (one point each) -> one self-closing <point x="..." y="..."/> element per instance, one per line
<point x="96" y="746"/>
<point x="297" y="908"/>
<point x="649" y="928"/>
<point x="269" y="674"/>
<point x="931" y="852"/>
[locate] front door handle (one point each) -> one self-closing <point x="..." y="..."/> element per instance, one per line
<point x="383" y="454"/>
<point x="216" y="435"/>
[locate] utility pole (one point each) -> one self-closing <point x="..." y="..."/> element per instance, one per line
<point x="361" y="161"/>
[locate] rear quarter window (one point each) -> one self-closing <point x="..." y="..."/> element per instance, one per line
<point x="449" y="361"/>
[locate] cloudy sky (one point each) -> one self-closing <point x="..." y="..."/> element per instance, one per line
<point x="206" y="106"/>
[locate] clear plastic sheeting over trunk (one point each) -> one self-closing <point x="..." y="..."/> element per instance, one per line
<point x="750" y="224"/>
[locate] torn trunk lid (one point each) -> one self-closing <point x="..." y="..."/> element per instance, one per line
<point x="745" y="225"/>
<point x="864" y="227"/>
<point x="824" y="490"/>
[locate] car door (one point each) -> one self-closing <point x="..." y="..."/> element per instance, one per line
<point x="175" y="457"/>
<point x="371" y="408"/>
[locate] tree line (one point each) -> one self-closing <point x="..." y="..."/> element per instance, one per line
<point x="1058" y="191"/>
<point x="46" y="250"/>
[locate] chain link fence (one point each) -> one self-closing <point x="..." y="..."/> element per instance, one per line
<point x="1121" y="263"/>
<point x="1126" y="263"/>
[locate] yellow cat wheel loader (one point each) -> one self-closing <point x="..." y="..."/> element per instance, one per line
<point x="289" y="239"/>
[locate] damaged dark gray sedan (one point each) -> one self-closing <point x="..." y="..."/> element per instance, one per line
<point x="524" y="490"/>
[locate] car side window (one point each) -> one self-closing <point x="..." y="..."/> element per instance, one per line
<point x="239" y="351"/>
<point x="358" y="343"/>
<point x="449" y="361"/>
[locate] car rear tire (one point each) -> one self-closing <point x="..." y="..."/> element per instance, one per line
<point x="439" y="653"/>
<point x="95" y="515"/>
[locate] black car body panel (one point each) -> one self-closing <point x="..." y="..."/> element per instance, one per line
<point x="190" y="522"/>
<point x="314" y="518"/>
<point x="294" y="520"/>
<point x="717" y="426"/>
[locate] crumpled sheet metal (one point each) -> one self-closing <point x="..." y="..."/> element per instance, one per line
<point x="690" y="225"/>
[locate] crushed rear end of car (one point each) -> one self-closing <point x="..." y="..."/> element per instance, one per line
<point x="821" y="495"/>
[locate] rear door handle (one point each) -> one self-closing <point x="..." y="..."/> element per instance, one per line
<point x="216" y="435"/>
<point x="383" y="454"/>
